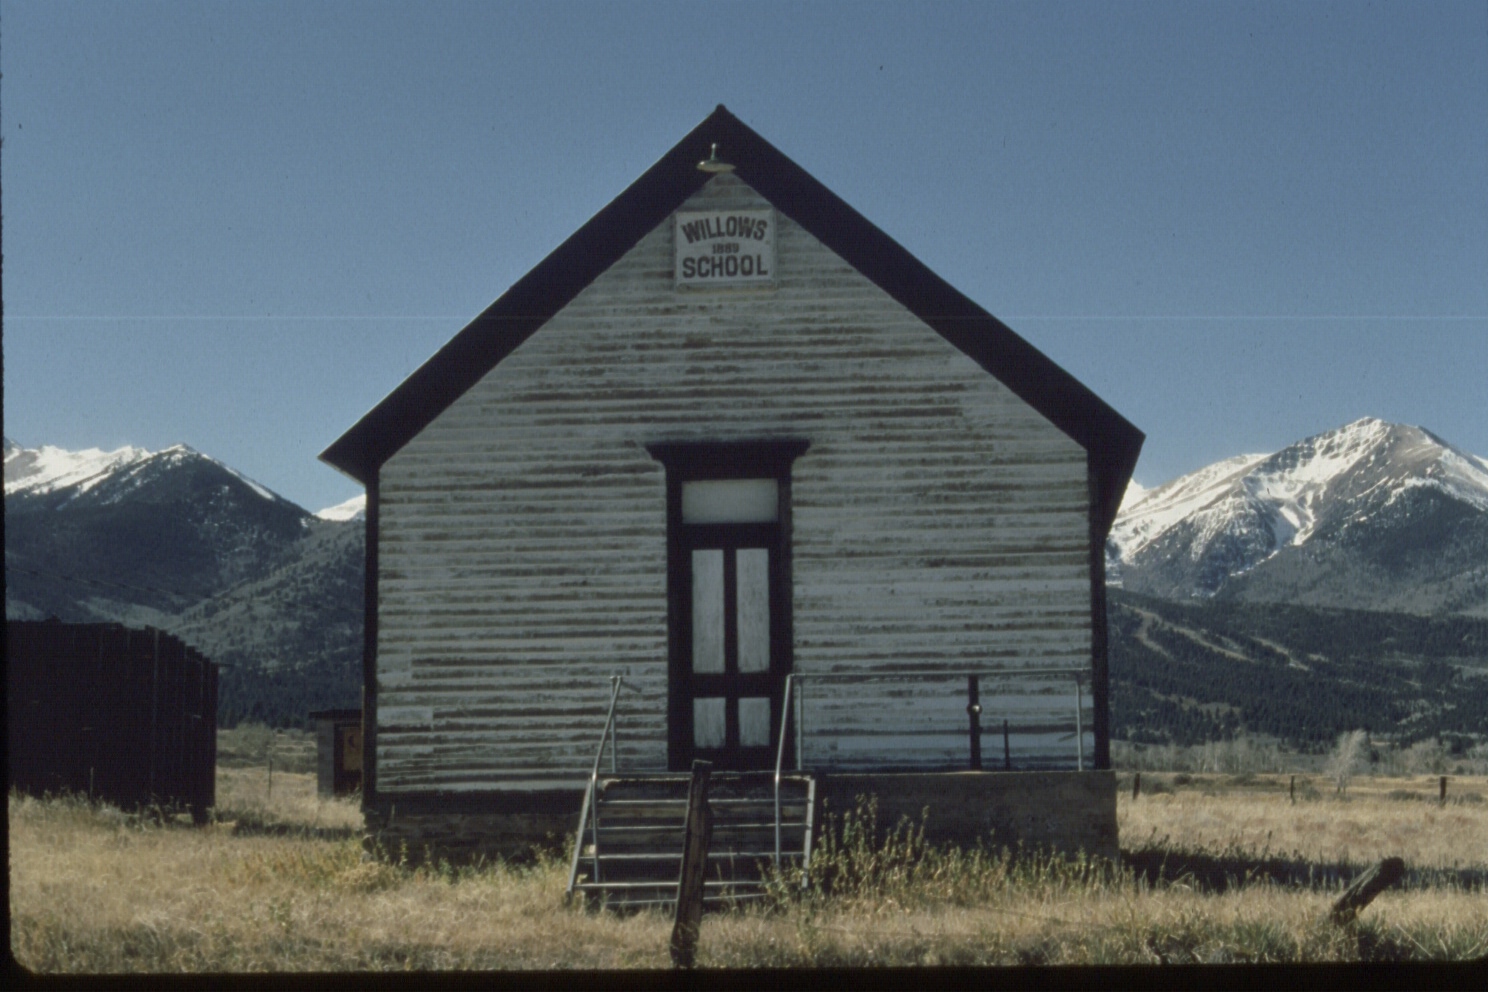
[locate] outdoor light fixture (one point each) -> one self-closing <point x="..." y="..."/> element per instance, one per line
<point x="713" y="164"/>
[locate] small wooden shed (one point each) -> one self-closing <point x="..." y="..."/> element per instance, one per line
<point x="338" y="751"/>
<point x="814" y="508"/>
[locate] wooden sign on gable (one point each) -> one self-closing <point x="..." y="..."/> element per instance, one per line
<point x="725" y="248"/>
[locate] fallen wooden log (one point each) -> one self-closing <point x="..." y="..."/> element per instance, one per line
<point x="1362" y="890"/>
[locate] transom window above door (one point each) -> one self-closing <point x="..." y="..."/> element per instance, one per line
<point x="731" y="501"/>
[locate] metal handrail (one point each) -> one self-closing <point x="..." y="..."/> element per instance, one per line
<point x="607" y="735"/>
<point x="793" y="678"/>
<point x="785" y="702"/>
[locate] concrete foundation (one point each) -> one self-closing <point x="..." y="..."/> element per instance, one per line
<point x="1064" y="811"/>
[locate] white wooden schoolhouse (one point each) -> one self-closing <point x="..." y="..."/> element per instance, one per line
<point x="731" y="443"/>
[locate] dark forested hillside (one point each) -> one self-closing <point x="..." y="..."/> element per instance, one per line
<point x="1186" y="673"/>
<point x="291" y="641"/>
<point x="159" y="535"/>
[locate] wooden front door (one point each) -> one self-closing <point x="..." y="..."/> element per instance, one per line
<point x="732" y="630"/>
<point x="728" y="599"/>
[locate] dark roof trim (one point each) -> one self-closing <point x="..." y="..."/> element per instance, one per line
<point x="1112" y="441"/>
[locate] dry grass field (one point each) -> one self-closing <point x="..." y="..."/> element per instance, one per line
<point x="1376" y="817"/>
<point x="279" y="883"/>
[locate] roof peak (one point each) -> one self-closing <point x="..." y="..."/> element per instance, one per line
<point x="1113" y="443"/>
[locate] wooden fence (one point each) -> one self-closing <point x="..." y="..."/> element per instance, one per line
<point x="128" y="716"/>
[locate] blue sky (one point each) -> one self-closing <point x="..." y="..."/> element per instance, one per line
<point x="240" y="225"/>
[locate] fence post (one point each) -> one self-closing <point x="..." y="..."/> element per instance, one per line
<point x="1136" y="784"/>
<point x="1442" y="797"/>
<point x="695" y="838"/>
<point x="1007" y="748"/>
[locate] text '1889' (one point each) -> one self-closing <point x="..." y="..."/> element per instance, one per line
<point x="725" y="248"/>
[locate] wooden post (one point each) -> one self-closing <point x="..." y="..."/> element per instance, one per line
<point x="1442" y="796"/>
<point x="695" y="838"/>
<point x="1364" y="888"/>
<point x="1292" y="790"/>
<point x="1007" y="750"/>
<point x="1136" y="785"/>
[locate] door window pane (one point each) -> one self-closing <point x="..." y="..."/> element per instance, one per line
<point x="753" y="596"/>
<point x="707" y="722"/>
<point x="730" y="501"/>
<point x="754" y="721"/>
<point x="707" y="610"/>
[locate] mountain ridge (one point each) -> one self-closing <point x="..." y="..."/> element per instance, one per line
<point x="1395" y="506"/>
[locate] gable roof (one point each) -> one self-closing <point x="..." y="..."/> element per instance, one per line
<point x="1112" y="441"/>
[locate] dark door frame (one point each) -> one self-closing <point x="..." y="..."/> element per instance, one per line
<point x="693" y="461"/>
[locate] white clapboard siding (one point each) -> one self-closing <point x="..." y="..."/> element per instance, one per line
<point x="938" y="520"/>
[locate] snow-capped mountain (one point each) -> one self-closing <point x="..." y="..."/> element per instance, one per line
<point x="353" y="509"/>
<point x="103" y="534"/>
<point x="44" y="469"/>
<point x="1147" y="514"/>
<point x="47" y="470"/>
<point x="1370" y="515"/>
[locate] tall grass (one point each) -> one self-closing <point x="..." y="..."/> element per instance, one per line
<point x="1257" y="815"/>
<point x="96" y="890"/>
<point x="249" y="800"/>
<point x="888" y="897"/>
<point x="856" y="861"/>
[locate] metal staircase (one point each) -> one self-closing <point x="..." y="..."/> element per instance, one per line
<point x="629" y="848"/>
